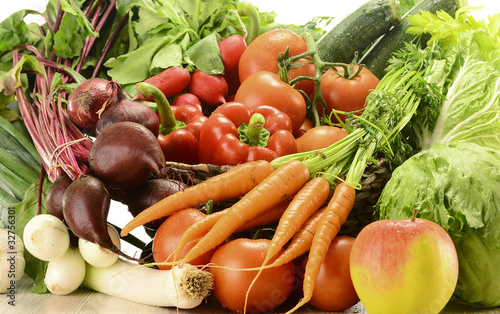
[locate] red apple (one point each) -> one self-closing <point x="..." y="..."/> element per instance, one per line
<point x="404" y="266"/>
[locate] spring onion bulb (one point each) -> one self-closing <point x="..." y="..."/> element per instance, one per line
<point x="96" y="255"/>
<point x="183" y="286"/>
<point x="65" y="274"/>
<point x="46" y="237"/>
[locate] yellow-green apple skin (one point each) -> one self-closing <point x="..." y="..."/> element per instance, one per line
<point x="404" y="266"/>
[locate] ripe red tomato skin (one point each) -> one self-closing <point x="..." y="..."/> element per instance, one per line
<point x="265" y="88"/>
<point x="346" y="95"/>
<point x="334" y="290"/>
<point x="169" y="233"/>
<point x="271" y="289"/>
<point x="262" y="53"/>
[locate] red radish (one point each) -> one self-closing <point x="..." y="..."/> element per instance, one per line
<point x="130" y="110"/>
<point x="211" y="89"/>
<point x="231" y="49"/>
<point x="89" y="100"/>
<point x="170" y="81"/>
<point x="85" y="207"/>
<point x="125" y="155"/>
<point x="187" y="99"/>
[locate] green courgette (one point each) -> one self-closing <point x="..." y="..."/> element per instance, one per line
<point x="377" y="57"/>
<point x="354" y="33"/>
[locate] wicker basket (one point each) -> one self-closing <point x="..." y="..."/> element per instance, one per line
<point x="374" y="179"/>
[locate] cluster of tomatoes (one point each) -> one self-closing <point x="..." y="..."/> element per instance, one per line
<point x="251" y="112"/>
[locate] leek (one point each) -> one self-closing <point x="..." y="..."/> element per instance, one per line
<point x="183" y="287"/>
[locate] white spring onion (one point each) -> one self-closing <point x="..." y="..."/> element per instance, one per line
<point x="183" y="287"/>
<point x="11" y="260"/>
<point x="65" y="274"/>
<point x="98" y="256"/>
<point x="46" y="237"/>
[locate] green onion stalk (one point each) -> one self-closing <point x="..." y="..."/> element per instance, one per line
<point x="388" y="110"/>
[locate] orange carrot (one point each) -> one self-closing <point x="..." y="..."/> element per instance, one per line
<point x="202" y="225"/>
<point x="307" y="201"/>
<point x="285" y="181"/>
<point x="335" y="215"/>
<point x="269" y="216"/>
<point x="233" y="183"/>
<point x="301" y="241"/>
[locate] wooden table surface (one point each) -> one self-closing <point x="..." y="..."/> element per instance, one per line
<point x="87" y="301"/>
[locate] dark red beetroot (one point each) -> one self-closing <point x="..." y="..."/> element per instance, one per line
<point x="85" y="207"/>
<point x="55" y="196"/>
<point x="130" y="110"/>
<point x="210" y="89"/>
<point x="149" y="193"/>
<point x="89" y="100"/>
<point x="125" y="155"/>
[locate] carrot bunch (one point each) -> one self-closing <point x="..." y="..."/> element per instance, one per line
<point x="287" y="195"/>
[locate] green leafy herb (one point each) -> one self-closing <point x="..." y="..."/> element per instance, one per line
<point x="176" y="33"/>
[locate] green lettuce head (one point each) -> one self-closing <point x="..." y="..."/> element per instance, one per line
<point x="456" y="185"/>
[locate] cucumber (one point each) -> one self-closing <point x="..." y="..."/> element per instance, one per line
<point x="358" y="30"/>
<point x="377" y="57"/>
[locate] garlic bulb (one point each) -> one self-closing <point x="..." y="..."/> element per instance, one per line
<point x="11" y="260"/>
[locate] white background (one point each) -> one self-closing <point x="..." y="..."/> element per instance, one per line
<point x="287" y="13"/>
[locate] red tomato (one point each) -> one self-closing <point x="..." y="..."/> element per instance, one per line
<point x="169" y="234"/>
<point x="319" y="137"/>
<point x="334" y="290"/>
<point x="346" y="94"/>
<point x="306" y="126"/>
<point x="262" y="53"/>
<point x="270" y="290"/>
<point x="265" y="88"/>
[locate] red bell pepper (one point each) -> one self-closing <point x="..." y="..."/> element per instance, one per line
<point x="236" y="134"/>
<point x="180" y="126"/>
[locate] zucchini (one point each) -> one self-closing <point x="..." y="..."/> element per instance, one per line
<point x="376" y="59"/>
<point x="354" y="33"/>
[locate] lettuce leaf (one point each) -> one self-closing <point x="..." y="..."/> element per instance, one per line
<point x="468" y="76"/>
<point x="456" y="185"/>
